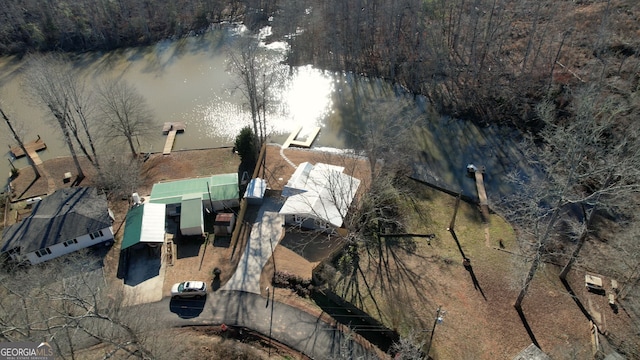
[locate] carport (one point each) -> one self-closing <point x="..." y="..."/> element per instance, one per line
<point x="144" y="224"/>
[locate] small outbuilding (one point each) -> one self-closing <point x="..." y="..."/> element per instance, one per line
<point x="144" y="224"/>
<point x="255" y="191"/>
<point x="191" y="215"/>
<point x="223" y="225"/>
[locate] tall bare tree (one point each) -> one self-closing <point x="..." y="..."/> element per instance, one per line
<point x="587" y="166"/>
<point x="20" y="143"/>
<point x="45" y="81"/>
<point x="124" y="113"/>
<point x="256" y="79"/>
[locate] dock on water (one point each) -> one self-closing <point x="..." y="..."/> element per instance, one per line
<point x="171" y="129"/>
<point x="482" y="192"/>
<point x="291" y="140"/>
<point x="32" y="148"/>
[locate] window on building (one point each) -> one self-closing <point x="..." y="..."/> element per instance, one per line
<point x="43" y="252"/>
<point x="70" y="242"/>
<point x="96" y="234"/>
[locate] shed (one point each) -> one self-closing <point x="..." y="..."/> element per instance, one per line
<point x="255" y="191"/>
<point x="224" y="223"/>
<point x="191" y="216"/>
<point x="144" y="224"/>
<point x="593" y="283"/>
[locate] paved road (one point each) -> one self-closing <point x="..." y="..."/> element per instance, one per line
<point x="292" y="327"/>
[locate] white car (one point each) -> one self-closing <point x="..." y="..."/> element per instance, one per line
<point x="189" y="289"/>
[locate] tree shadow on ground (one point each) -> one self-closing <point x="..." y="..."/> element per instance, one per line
<point x="381" y="278"/>
<point x="575" y="298"/>
<point x="527" y="327"/>
<point x="26" y="189"/>
<point x="476" y="284"/>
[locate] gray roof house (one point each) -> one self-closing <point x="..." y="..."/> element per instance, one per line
<point x="68" y="220"/>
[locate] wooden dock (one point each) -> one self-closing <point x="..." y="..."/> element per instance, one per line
<point x="32" y="149"/>
<point x="33" y="146"/>
<point x="291" y="140"/>
<point x="171" y="129"/>
<point x="169" y="126"/>
<point x="482" y="194"/>
<point x="168" y="145"/>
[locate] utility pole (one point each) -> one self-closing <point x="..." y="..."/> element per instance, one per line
<point x="272" y="293"/>
<point x="436" y="321"/>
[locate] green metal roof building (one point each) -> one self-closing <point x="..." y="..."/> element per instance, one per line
<point x="191" y="216"/>
<point x="222" y="187"/>
<point x="144" y="224"/>
<point x="188" y="197"/>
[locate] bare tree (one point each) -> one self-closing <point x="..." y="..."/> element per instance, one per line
<point x="81" y="117"/>
<point x="47" y="84"/>
<point x="20" y="143"/>
<point x="587" y="166"/>
<point x="256" y="78"/>
<point x="124" y="113"/>
<point x="119" y="175"/>
<point x="68" y="303"/>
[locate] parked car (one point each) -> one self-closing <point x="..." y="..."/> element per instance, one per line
<point x="189" y="289"/>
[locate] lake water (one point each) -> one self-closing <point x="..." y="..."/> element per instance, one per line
<point x="188" y="80"/>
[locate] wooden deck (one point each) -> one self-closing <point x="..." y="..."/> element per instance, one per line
<point x="168" y="145"/>
<point x="32" y="148"/>
<point x="482" y="194"/>
<point x="291" y="140"/>
<point x="169" y="126"/>
<point x="171" y="129"/>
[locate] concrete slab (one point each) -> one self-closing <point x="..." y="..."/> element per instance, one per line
<point x="265" y="235"/>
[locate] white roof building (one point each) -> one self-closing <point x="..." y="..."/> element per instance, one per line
<point x="321" y="192"/>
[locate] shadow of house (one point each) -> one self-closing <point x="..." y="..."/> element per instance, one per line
<point x="312" y="245"/>
<point x="68" y="220"/>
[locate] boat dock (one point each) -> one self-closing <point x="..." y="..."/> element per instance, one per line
<point x="482" y="193"/>
<point x="291" y="140"/>
<point x="171" y="129"/>
<point x="32" y="149"/>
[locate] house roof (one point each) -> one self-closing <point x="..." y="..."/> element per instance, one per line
<point x="144" y="223"/>
<point x="221" y="187"/>
<point x="224" y="219"/>
<point x="321" y="191"/>
<point x="64" y="215"/>
<point x="532" y="352"/>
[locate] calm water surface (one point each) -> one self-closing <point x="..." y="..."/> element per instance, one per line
<point x="189" y="81"/>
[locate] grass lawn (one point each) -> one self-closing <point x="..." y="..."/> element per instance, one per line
<point x="402" y="281"/>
